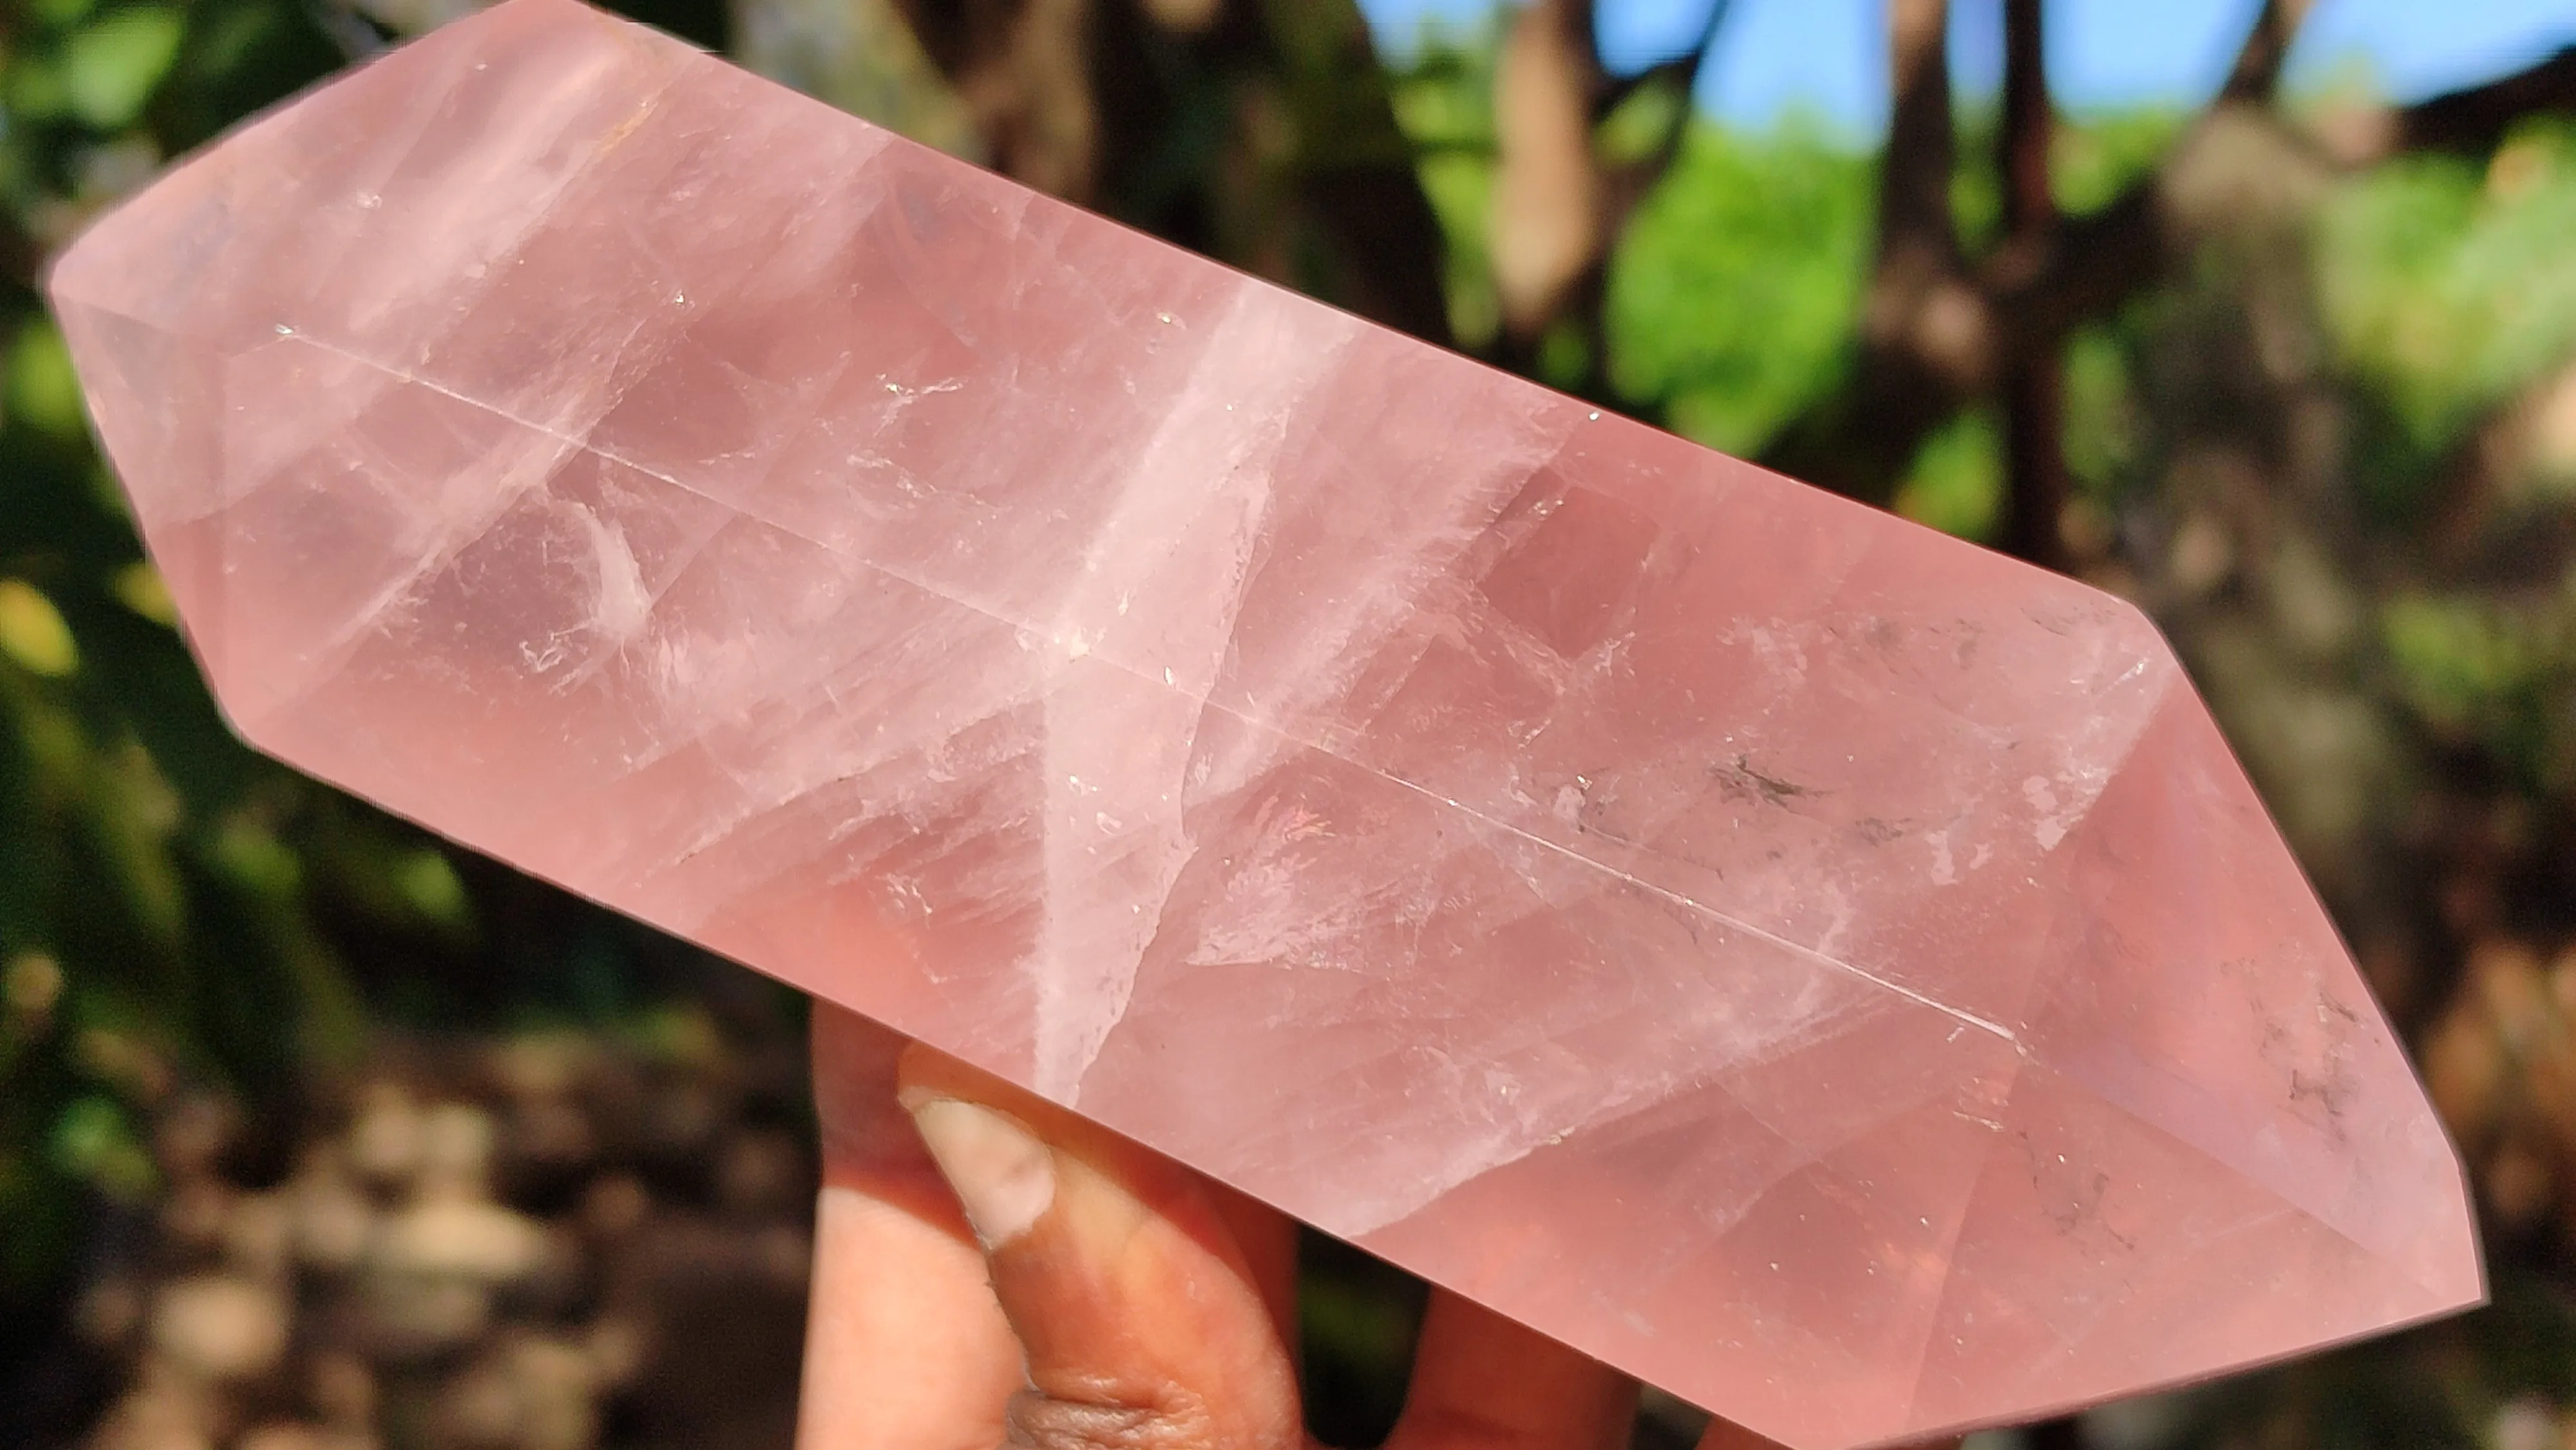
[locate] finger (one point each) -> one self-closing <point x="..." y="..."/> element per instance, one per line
<point x="1483" y="1382"/>
<point x="1141" y="1317"/>
<point x="905" y="1347"/>
<point x="1725" y="1436"/>
<point x="1267" y="1239"/>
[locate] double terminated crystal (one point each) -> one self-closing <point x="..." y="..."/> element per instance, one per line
<point x="1821" y="968"/>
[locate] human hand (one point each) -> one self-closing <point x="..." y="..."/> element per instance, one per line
<point x="1073" y="1291"/>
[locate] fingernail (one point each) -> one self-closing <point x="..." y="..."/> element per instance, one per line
<point x="1004" y="1177"/>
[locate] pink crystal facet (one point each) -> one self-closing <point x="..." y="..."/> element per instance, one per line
<point x="1819" y="967"/>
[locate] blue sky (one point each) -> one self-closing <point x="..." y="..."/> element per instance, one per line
<point x="1828" y="55"/>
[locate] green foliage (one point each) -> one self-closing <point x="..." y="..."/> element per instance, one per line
<point x="2493" y="673"/>
<point x="170" y="906"/>
<point x="2448" y="298"/>
<point x="2094" y="158"/>
<point x="1957" y="483"/>
<point x="1637" y="126"/>
<point x="42" y="392"/>
<point x="173" y="908"/>
<point x="97" y="73"/>
<point x="1977" y="188"/>
<point x="111" y="67"/>
<point x="2446" y="283"/>
<point x="1444" y="103"/>
<point x="1734" y="294"/>
<point x="32" y="632"/>
<point x="2102" y="419"/>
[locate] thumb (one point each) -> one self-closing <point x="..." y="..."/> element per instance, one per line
<point x="1142" y="1321"/>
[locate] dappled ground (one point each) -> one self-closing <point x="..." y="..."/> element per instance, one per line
<point x="543" y="1242"/>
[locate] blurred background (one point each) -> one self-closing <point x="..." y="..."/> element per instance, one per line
<point x="316" y="1134"/>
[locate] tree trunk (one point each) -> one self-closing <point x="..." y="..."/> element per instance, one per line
<point x="2035" y="482"/>
<point x="1927" y="334"/>
<point x="1260" y="132"/>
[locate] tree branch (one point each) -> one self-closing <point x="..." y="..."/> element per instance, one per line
<point x="2256" y="75"/>
<point x="1682" y="70"/>
<point x="1630" y="184"/>
<point x="1919" y="307"/>
<point x="2476" y="118"/>
<point x="1547" y="220"/>
<point x="1023" y="69"/>
<point x="1103" y="102"/>
<point x="1937" y="335"/>
<point x="22" y="257"/>
<point x="2035" y="482"/>
<point x="1558" y="204"/>
<point x="2030" y="205"/>
<point x="2088" y="268"/>
<point x="1914" y="177"/>
<point x="1927" y="336"/>
<point x="1362" y="190"/>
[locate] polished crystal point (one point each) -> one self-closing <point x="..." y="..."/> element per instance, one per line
<point x="1819" y="967"/>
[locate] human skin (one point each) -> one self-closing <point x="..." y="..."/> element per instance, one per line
<point x="991" y="1270"/>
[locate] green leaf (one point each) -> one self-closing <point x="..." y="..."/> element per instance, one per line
<point x="54" y="14"/>
<point x="1957" y="485"/>
<point x="43" y="391"/>
<point x="112" y="65"/>
<point x="32" y="632"/>
<point x="429" y="885"/>
<point x="250" y="856"/>
<point x="30" y="987"/>
<point x="130" y="812"/>
<point x="139" y="587"/>
<point x="2101" y="409"/>
<point x="2446" y="285"/>
<point x="93" y="1142"/>
<point x="1632" y="132"/>
<point x="35" y="88"/>
<point x="1735" y="290"/>
<point x="2094" y="160"/>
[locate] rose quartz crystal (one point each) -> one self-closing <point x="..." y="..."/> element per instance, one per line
<point x="1812" y="964"/>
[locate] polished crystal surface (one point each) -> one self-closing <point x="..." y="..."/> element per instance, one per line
<point x="1827" y="970"/>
